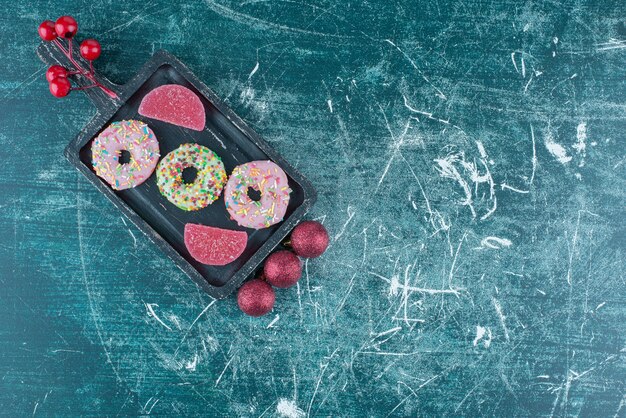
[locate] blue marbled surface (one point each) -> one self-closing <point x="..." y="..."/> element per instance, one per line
<point x="469" y="159"/>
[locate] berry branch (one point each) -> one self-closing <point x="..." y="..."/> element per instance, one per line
<point x="66" y="28"/>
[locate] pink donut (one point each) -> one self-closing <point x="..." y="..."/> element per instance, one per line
<point x="127" y="135"/>
<point x="264" y="177"/>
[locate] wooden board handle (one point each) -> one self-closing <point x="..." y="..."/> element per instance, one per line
<point x="51" y="54"/>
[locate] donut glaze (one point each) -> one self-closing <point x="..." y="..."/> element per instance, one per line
<point x="127" y="135"/>
<point x="268" y="179"/>
<point x="209" y="181"/>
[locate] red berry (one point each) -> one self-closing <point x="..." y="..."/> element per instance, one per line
<point x="256" y="298"/>
<point x="309" y="239"/>
<point x="55" y="71"/>
<point x="66" y="27"/>
<point x="90" y="49"/>
<point x="46" y="30"/>
<point x="282" y="269"/>
<point x="60" y="87"/>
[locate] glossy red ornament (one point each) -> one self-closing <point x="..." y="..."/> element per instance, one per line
<point x="309" y="239"/>
<point x="256" y="298"/>
<point x="66" y="27"/>
<point x="55" y="71"/>
<point x="60" y="87"/>
<point x="46" y="31"/>
<point x="282" y="269"/>
<point x="90" y="49"/>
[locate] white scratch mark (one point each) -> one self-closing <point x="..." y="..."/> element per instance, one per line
<point x="289" y="409"/>
<point x="572" y="250"/>
<point x="612" y="44"/>
<point x="488" y="178"/>
<point x="153" y="405"/>
<point x="395" y="146"/>
<point x="506" y="186"/>
<point x="351" y="214"/>
<point x="175" y="320"/>
<point x="414" y="392"/>
<point x="427" y="114"/>
<point x="395" y="286"/>
<point x="319" y="380"/>
<point x="224" y="370"/>
<point x="254" y="70"/>
<point x="432" y="214"/>
<point x="534" y="159"/>
<point x="150" y="308"/>
<point x="249" y="20"/>
<point x="581" y="137"/>
<point x="389" y="331"/>
<point x="496" y="304"/>
<point x="247" y="95"/>
<point x="192" y="324"/>
<point x="139" y="16"/>
<point x="481" y="150"/>
<point x="557" y="150"/>
<point x="439" y="92"/>
<point x="447" y="169"/>
<point x="192" y="364"/>
<point x="514" y="63"/>
<point x="345" y="297"/>
<point x="530" y="79"/>
<point x="130" y="232"/>
<point x="622" y="403"/>
<point x="92" y="309"/>
<point x="495" y="243"/>
<point x="35" y="409"/>
<point x="480" y="334"/>
<point x="456" y="255"/>
<point x="275" y="320"/>
<point x="330" y="105"/>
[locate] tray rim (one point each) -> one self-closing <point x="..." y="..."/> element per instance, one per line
<point x="106" y="112"/>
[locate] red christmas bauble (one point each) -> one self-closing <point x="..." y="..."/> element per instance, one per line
<point x="55" y="71"/>
<point x="46" y="31"/>
<point x="90" y="49"/>
<point x="309" y="239"/>
<point x="66" y="27"/>
<point x="282" y="269"/>
<point x="60" y="87"/>
<point x="256" y="298"/>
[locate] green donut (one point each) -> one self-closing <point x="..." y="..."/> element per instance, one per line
<point x="207" y="185"/>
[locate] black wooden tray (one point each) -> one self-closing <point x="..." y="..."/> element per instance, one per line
<point x="225" y="133"/>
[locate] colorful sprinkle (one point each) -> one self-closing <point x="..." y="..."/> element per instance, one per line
<point x="127" y="135"/>
<point x="209" y="181"/>
<point x="267" y="178"/>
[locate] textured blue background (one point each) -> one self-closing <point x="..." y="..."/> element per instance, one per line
<point x="469" y="158"/>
